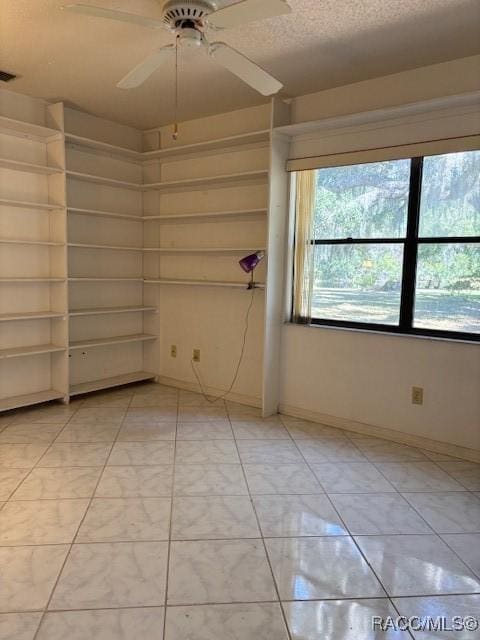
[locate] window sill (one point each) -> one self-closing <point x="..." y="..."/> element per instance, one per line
<point x="395" y="334"/>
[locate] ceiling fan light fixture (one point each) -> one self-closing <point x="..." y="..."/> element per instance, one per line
<point x="188" y="20"/>
<point x="191" y="38"/>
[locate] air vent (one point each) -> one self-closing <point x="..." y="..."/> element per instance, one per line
<point x="6" y="77"/>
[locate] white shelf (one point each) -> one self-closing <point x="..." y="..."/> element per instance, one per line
<point x="105" y="214"/>
<point x="236" y="141"/>
<point x="21" y="204"/>
<point x="31" y="315"/>
<point x="26" y="280"/>
<point x="28" y="167"/>
<point x="72" y="138"/>
<point x="205" y="283"/>
<point x="203" y="249"/>
<point x="100" y="311"/>
<point x="28" y="399"/>
<point x="193" y="184"/>
<point x="112" y="279"/>
<point x="78" y="245"/>
<point x="107" y="383"/>
<point x="20" y="352"/>
<point x="194" y="217"/>
<point x="111" y="182"/>
<point x="174" y="185"/>
<point x="105" y="342"/>
<point x="39" y="243"/>
<point x="28" y="129"/>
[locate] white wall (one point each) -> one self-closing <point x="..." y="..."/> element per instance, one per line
<point x="425" y="83"/>
<point x="364" y="378"/>
<point x="367" y="378"/>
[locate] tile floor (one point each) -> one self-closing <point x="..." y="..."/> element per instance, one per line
<point x="145" y="513"/>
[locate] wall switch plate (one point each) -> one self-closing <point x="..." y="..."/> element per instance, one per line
<point x="417" y="395"/>
<point x="196" y="355"/>
<point x="173" y="350"/>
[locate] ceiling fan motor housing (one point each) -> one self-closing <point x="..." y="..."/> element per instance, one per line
<point x="189" y="14"/>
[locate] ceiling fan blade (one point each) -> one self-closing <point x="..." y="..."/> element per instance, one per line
<point x="247" y="11"/>
<point x="101" y="12"/>
<point x="144" y="70"/>
<point x="245" y="69"/>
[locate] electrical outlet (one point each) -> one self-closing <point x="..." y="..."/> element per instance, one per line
<point x="173" y="350"/>
<point x="196" y="355"/>
<point x="417" y="395"/>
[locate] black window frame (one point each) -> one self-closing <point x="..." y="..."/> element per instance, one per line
<point x="411" y="243"/>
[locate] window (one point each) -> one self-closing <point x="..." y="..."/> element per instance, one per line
<point x="391" y="246"/>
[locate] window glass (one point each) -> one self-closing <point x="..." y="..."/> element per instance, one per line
<point x="358" y="283"/>
<point x="362" y="201"/>
<point x="448" y="287"/>
<point x="450" y="202"/>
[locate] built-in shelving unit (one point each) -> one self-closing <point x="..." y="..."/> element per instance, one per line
<point x="33" y="287"/>
<point x="27" y="399"/>
<point x="205" y="216"/>
<point x="106" y="147"/>
<point x="30" y="279"/>
<point x="206" y="283"/>
<point x="32" y="315"/>
<point x="79" y="245"/>
<point x="113" y="335"/>
<point x="111" y="182"/>
<point x="101" y="342"/>
<point x="21" y="204"/>
<point x="206" y="205"/>
<point x="39" y="243"/>
<point x="29" y="167"/>
<point x="103" y="214"/>
<point x="35" y="350"/>
<point x="100" y="311"/>
<point x="209" y="182"/>
<point x="119" y="237"/>
<point x="202" y="249"/>
<point x="108" y="383"/>
<point x="30" y="130"/>
<point x="111" y="279"/>
<point x="209" y="146"/>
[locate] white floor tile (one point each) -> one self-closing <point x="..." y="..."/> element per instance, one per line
<point x="316" y="568"/>
<point x="340" y="620"/>
<point x="262" y="621"/>
<point x="448" y="512"/>
<point x="351" y="477"/>
<point x="145" y="623"/>
<point x="28" y="575"/>
<point x="219" y="571"/>
<point x="125" y="520"/>
<point x="377" y="513"/>
<point x="448" y="607"/>
<point x="297" y="515"/>
<point x="19" y="626"/>
<point x="110" y="575"/>
<point x="213" y="517"/>
<point x="410" y="565"/>
<point x="281" y="479"/>
<point x="40" y="522"/>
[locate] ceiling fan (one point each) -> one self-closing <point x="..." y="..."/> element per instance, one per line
<point x="189" y="20"/>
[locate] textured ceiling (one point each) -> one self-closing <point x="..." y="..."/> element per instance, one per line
<point x="322" y="44"/>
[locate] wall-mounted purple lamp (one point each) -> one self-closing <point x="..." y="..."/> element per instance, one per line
<point x="249" y="263"/>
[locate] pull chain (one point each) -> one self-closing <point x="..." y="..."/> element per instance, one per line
<point x="175" y="126"/>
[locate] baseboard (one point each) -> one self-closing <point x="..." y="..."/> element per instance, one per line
<point x="381" y="432"/>
<point x="250" y="401"/>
